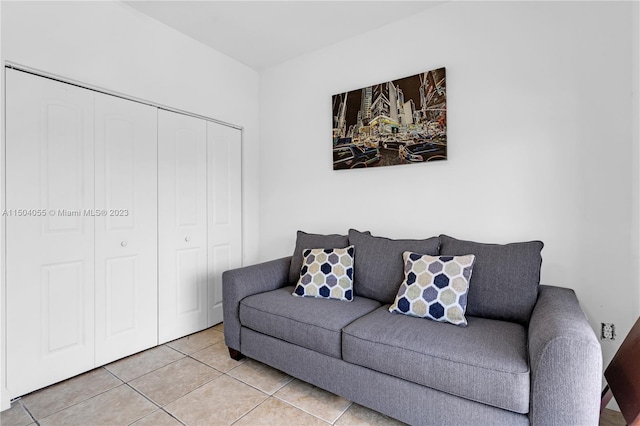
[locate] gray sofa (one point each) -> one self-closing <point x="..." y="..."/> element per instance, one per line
<point x="527" y="356"/>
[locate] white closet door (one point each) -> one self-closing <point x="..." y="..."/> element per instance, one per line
<point x="182" y="225"/>
<point x="126" y="227"/>
<point x="224" y="152"/>
<point x="50" y="269"/>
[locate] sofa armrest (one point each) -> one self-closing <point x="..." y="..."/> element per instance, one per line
<point x="565" y="360"/>
<point x="242" y="282"/>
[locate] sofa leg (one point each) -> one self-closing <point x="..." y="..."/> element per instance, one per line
<point x="234" y="354"/>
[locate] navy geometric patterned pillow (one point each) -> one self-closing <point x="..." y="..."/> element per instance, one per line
<point x="327" y="274"/>
<point x="435" y="287"/>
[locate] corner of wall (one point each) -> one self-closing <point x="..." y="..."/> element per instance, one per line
<point x="5" y="400"/>
<point x="635" y="114"/>
<point x="635" y="158"/>
<point x="635" y="144"/>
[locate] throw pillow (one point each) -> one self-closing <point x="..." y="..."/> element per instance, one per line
<point x="435" y="287"/>
<point x="306" y="241"/>
<point x="505" y="277"/>
<point x="326" y="273"/>
<point x="379" y="268"/>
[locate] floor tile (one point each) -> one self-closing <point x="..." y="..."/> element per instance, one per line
<point x="276" y="412"/>
<point x="145" y="362"/>
<point x="15" y="416"/>
<point x="313" y="400"/>
<point x="197" y="341"/>
<point x="219" y="327"/>
<point x="260" y="376"/>
<point x="119" y="406"/>
<point x="157" y="418"/>
<point x="193" y="391"/>
<point x="170" y="382"/>
<point x="610" y="417"/>
<point x="222" y="401"/>
<point x="357" y="415"/>
<point x="65" y="394"/>
<point x="217" y="356"/>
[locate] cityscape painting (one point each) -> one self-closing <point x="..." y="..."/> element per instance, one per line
<point x="398" y="122"/>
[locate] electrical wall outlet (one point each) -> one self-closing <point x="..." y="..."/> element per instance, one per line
<point x="608" y="331"/>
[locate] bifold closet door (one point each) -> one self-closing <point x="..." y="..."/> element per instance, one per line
<point x="49" y="240"/>
<point x="182" y="225"/>
<point x="224" y="184"/>
<point x="126" y="227"/>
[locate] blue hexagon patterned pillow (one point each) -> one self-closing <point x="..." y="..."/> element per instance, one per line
<point x="327" y="274"/>
<point x="435" y="287"/>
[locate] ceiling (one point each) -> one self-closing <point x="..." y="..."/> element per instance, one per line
<point x="261" y="34"/>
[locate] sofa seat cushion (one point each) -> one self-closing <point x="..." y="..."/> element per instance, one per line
<point x="312" y="323"/>
<point x="484" y="362"/>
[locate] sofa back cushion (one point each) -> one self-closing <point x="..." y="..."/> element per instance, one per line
<point x="378" y="267"/>
<point x="311" y="241"/>
<point x="505" y="279"/>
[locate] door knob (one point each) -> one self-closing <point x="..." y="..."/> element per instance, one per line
<point x="187" y="238"/>
<point x="124" y="243"/>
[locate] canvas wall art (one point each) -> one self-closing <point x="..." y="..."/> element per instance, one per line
<point x="398" y="122"/>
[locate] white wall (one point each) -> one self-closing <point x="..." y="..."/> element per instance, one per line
<point x="112" y="46"/>
<point x="540" y="136"/>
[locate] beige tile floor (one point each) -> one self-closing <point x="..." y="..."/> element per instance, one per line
<point x="190" y="381"/>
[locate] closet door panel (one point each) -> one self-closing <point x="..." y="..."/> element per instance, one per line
<point x="126" y="227"/>
<point x="182" y="223"/>
<point x="50" y="252"/>
<point x="224" y="145"/>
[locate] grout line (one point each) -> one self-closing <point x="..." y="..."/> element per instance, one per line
<point x="104" y="367"/>
<point x="155" y="411"/>
<point x="251" y="386"/>
<point x="24" y="407"/>
<point x="148" y="372"/>
<point x="241" y="362"/>
<point x="159" y="408"/>
<point x="77" y="402"/>
<point x="196" y="351"/>
<point x="205" y="364"/>
<point x="174" y="417"/>
<point x="309" y="413"/>
<point x="166" y="345"/>
<point x="80" y="402"/>
<point x="194" y="334"/>
<point x="191" y="391"/>
<point x="343" y="412"/>
<point x="250" y="411"/>
<point x="157" y="369"/>
<point x="143" y="395"/>
<point x="255" y="387"/>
